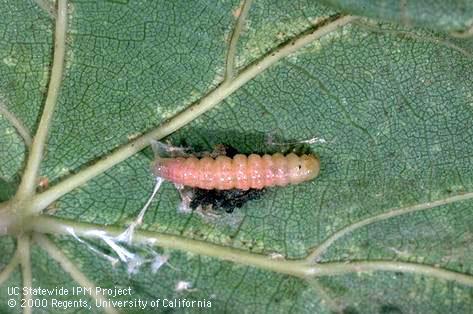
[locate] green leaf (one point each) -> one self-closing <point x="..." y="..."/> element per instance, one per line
<point x="440" y="15"/>
<point x="388" y="220"/>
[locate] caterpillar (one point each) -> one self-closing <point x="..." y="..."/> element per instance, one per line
<point x="240" y="172"/>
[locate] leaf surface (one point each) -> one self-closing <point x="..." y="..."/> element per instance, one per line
<point x="391" y="106"/>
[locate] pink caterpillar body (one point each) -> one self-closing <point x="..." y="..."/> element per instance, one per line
<point x="240" y="172"/>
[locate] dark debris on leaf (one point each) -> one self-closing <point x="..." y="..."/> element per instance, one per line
<point x="227" y="200"/>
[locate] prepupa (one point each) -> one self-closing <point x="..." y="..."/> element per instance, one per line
<point x="240" y="172"/>
<point x="221" y="181"/>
